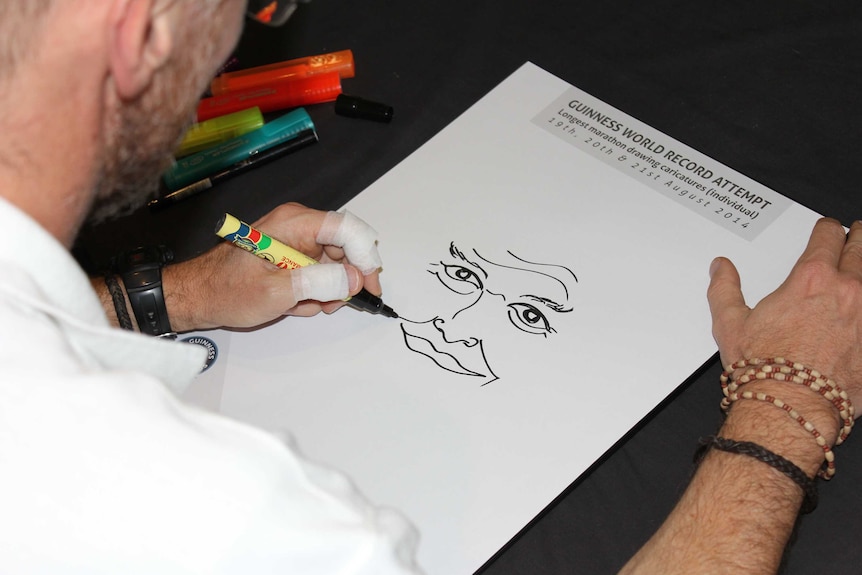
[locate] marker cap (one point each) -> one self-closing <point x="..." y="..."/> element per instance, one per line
<point x="206" y="134"/>
<point x="340" y="62"/>
<point x="355" y="107"/>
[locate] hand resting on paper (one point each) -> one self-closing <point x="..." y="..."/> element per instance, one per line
<point x="738" y="513"/>
<point x="227" y="287"/>
<point x="814" y="317"/>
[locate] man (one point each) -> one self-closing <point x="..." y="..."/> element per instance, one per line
<point x="104" y="470"/>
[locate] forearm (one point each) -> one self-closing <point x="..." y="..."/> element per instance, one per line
<point x="226" y="287"/>
<point x="738" y="513"/>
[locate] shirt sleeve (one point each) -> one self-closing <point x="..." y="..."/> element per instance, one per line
<point x="110" y="472"/>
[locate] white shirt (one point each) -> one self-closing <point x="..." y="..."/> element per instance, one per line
<point x="104" y="470"/>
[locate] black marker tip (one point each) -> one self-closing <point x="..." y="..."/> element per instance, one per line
<point x="388" y="312"/>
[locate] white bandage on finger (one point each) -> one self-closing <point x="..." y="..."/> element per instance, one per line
<point x="321" y="282"/>
<point x="354" y="236"/>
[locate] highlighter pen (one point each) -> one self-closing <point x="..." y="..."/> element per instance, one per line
<point x="207" y="134"/>
<point x="303" y="139"/>
<point x="201" y="165"/>
<point x="285" y="257"/>
<point x="341" y="62"/>
<point x="276" y="96"/>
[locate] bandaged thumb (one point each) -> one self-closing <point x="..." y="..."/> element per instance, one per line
<point x="354" y="236"/>
<point x="321" y="282"/>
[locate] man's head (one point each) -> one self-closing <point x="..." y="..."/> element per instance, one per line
<point x="105" y="89"/>
<point x="155" y="106"/>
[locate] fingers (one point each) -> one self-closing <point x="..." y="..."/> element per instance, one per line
<point x="851" y="256"/>
<point x="825" y="244"/>
<point x="726" y="304"/>
<point x="321" y="288"/>
<point x="312" y="308"/>
<point x="371" y="282"/>
<point x="345" y="246"/>
<point x="324" y="282"/>
<point x="327" y="236"/>
<point x="354" y="236"/>
<point x="332" y="254"/>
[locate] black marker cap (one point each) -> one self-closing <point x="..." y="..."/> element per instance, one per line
<point x="355" y="107"/>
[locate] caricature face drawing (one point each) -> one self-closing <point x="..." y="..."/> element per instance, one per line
<point x="492" y="313"/>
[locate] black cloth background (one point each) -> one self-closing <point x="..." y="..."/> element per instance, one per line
<point x="772" y="89"/>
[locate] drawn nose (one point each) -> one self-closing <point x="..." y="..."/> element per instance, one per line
<point x="453" y="334"/>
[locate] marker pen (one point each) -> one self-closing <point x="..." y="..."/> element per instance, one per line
<point x="340" y="62"/>
<point x="263" y="246"/>
<point x="303" y="139"/>
<point x="202" y="164"/>
<point x="207" y="134"/>
<point x="277" y="96"/>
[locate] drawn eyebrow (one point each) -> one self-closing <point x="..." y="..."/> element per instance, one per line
<point x="456" y="253"/>
<point x="551" y="276"/>
<point x="557" y="307"/>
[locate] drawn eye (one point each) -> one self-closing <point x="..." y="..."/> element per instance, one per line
<point x="529" y="319"/>
<point x="459" y="279"/>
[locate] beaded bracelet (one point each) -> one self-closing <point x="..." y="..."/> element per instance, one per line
<point x="119" y="299"/>
<point x="785" y="466"/>
<point x="779" y="369"/>
<point x="828" y="469"/>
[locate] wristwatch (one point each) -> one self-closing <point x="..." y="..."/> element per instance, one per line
<point x="141" y="270"/>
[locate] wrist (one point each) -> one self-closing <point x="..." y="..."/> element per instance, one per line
<point x="185" y="297"/>
<point x="140" y="271"/>
<point x="109" y="299"/>
<point x="772" y="427"/>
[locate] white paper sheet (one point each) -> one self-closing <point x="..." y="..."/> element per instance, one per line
<point x="534" y="185"/>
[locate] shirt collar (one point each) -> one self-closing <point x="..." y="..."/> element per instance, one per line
<point x="65" y="293"/>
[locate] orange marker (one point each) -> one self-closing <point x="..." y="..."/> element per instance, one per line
<point x="340" y="62"/>
<point x="277" y="96"/>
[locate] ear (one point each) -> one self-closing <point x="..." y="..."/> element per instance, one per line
<point x="141" y="41"/>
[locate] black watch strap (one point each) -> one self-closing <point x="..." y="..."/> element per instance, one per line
<point x="142" y="277"/>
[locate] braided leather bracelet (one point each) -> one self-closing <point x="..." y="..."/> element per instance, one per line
<point x="119" y="299"/>
<point x="760" y="453"/>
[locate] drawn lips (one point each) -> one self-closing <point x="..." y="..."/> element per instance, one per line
<point x="445" y="360"/>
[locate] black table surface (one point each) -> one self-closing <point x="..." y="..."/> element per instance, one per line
<point x="771" y="88"/>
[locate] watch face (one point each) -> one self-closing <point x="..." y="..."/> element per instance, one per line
<point x="142" y="256"/>
<point x="136" y="258"/>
